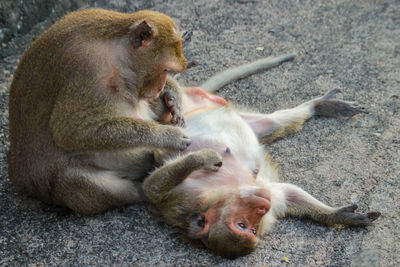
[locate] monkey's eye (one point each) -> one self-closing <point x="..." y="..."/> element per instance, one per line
<point x="254" y="231"/>
<point x="242" y="226"/>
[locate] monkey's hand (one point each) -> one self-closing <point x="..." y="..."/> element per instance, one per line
<point x="173" y="104"/>
<point x="173" y="137"/>
<point x="209" y="159"/>
<point x="172" y="101"/>
<point x="330" y="107"/>
<point x="347" y="216"/>
<point x="187" y="38"/>
<point x="158" y="185"/>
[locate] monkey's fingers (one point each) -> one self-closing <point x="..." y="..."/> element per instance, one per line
<point x="184" y="143"/>
<point x="187" y="38"/>
<point x="177" y="119"/>
<point x="174" y="138"/>
<point x="212" y="160"/>
<point x="177" y="116"/>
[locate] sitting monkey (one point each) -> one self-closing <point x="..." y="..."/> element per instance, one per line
<point x="85" y="105"/>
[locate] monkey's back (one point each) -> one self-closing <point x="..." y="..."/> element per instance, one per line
<point x="51" y="63"/>
<point x="32" y="96"/>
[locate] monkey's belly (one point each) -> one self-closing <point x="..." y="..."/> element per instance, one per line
<point x="221" y="124"/>
<point x="227" y="133"/>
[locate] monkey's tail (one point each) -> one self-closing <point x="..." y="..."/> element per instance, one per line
<point x="230" y="75"/>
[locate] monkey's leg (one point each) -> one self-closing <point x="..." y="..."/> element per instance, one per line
<point x="196" y="98"/>
<point x="91" y="191"/>
<point x="133" y="164"/>
<point x="269" y="127"/>
<point x="297" y="202"/>
<point x="162" y="180"/>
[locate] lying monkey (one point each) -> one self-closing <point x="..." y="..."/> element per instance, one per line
<point x="224" y="191"/>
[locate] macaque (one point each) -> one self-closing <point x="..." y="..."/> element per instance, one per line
<point x="88" y="107"/>
<point x="223" y="190"/>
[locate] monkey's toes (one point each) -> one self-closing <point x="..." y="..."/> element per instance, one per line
<point x="350" y="208"/>
<point x="347" y="216"/>
<point x="331" y="94"/>
<point x="337" y="108"/>
<point x="373" y="215"/>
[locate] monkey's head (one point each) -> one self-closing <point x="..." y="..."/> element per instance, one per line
<point x="232" y="228"/>
<point x="156" y="50"/>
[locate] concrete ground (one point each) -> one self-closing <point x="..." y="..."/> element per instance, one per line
<point x="347" y="44"/>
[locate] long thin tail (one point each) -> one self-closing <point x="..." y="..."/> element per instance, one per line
<point x="223" y="78"/>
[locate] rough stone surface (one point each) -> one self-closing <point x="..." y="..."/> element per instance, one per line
<point x="347" y="44"/>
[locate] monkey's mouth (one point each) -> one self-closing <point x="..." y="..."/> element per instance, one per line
<point x="261" y="201"/>
<point x="263" y="193"/>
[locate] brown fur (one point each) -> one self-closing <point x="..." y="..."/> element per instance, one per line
<point x="79" y="125"/>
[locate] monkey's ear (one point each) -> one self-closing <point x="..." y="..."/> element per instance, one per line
<point x="198" y="226"/>
<point x="141" y="35"/>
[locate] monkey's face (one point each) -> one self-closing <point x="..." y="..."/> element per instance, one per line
<point x="156" y="50"/>
<point x="231" y="229"/>
<point x="169" y="62"/>
<point x="244" y="214"/>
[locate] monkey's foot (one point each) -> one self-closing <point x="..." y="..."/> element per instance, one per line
<point x="328" y="106"/>
<point x="203" y="93"/>
<point x="347" y="216"/>
<point x="173" y="137"/>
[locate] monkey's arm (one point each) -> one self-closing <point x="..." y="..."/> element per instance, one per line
<point x="297" y="202"/>
<point x="284" y="122"/>
<point x="168" y="107"/>
<point x="79" y="124"/>
<point x="162" y="180"/>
